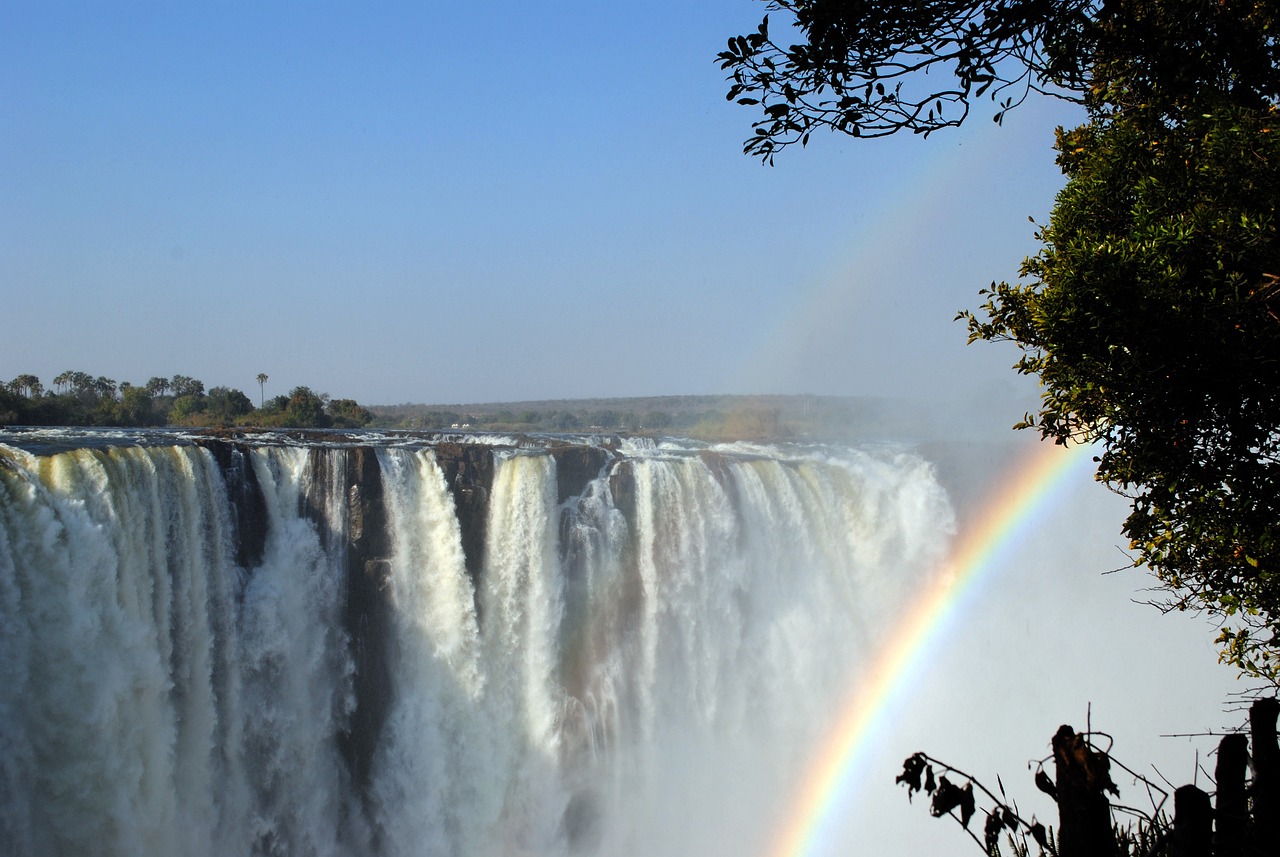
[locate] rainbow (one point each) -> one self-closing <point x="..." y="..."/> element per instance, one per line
<point x="1004" y="520"/>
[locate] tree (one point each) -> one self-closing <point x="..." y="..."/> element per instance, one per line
<point x="865" y="68"/>
<point x="12" y="407"/>
<point x="875" y="69"/>
<point x="225" y="404"/>
<point x="603" y="419"/>
<point x="564" y="420"/>
<point x="187" y="409"/>
<point x="158" y="386"/>
<point x="656" y="420"/>
<point x="74" y="382"/>
<point x="347" y="413"/>
<point x="105" y="388"/>
<point x="181" y="385"/>
<point x="305" y="409"/>
<point x="136" y="407"/>
<point x="262" y="389"/>
<point x="27" y="385"/>
<point x="1152" y="318"/>
<point x="1152" y="314"/>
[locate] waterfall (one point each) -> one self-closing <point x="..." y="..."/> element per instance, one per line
<point x="566" y="646"/>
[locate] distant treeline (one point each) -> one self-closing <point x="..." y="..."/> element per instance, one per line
<point x="80" y="399"/>
<point x="763" y="417"/>
<point x="763" y="423"/>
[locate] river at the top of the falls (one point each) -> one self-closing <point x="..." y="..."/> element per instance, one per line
<point x="434" y="644"/>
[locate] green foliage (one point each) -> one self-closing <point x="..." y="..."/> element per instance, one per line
<point x="135" y="408"/>
<point x="875" y="69"/>
<point x="1152" y="318"/>
<point x="1152" y="315"/>
<point x="565" y="421"/>
<point x="81" y="399"/>
<point x="11" y="407"/>
<point x="276" y="404"/>
<point x="716" y="418"/>
<point x="305" y="409"/>
<point x="224" y="405"/>
<point x="347" y="413"/>
<point x="605" y="419"/>
<point x="181" y="385"/>
<point x="26" y="385"/>
<point x="1165" y="57"/>
<point x="188" y="410"/>
<point x="656" y="420"/>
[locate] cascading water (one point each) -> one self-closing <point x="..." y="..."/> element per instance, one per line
<point x="257" y="646"/>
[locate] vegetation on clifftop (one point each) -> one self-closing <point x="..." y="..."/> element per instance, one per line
<point x="80" y="399"/>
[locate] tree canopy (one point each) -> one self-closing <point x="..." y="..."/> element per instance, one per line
<point x="1152" y="318"/>
<point x="875" y="69"/>
<point x="79" y="398"/>
<point x="1151" y="315"/>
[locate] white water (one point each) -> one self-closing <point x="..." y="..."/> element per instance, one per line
<point x="640" y="683"/>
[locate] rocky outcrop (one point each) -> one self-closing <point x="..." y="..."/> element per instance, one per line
<point x="622" y="485"/>
<point x="356" y="529"/>
<point x="468" y="473"/>
<point x="244" y="494"/>
<point x="369" y="610"/>
<point x="576" y="467"/>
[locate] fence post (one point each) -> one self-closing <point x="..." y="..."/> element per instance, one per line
<point x="1266" y="775"/>
<point x="1232" y="802"/>
<point x="1084" y="815"/>
<point x="1192" y="823"/>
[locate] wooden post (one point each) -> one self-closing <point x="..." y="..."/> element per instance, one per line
<point x="1084" y="815"/>
<point x="1266" y="776"/>
<point x="1192" y="823"/>
<point x="1232" y="802"/>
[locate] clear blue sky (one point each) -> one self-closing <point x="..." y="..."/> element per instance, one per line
<point x="461" y="202"/>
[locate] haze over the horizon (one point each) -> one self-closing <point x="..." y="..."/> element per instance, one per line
<point x="483" y="202"/>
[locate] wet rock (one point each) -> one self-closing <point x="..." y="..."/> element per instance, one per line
<point x="576" y="467"/>
<point x="344" y="499"/>
<point x="247" y="505"/>
<point x="468" y="473"/>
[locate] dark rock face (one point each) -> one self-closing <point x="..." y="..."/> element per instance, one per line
<point x="248" y="507"/>
<point x="349" y="482"/>
<point x="344" y="499"/>
<point x="622" y="485"/>
<point x="352" y="479"/>
<point x="369" y="610"/>
<point x="468" y="472"/>
<point x="630" y="602"/>
<point x="576" y="467"/>
<point x="719" y="467"/>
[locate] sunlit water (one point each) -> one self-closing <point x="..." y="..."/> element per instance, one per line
<point x="638" y="669"/>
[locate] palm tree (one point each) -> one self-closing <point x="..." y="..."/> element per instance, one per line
<point x="27" y="385"/>
<point x="262" y="390"/>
